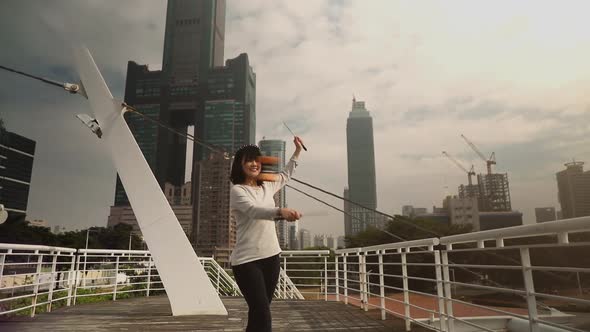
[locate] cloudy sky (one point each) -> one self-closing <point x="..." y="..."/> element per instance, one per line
<point x="512" y="76"/>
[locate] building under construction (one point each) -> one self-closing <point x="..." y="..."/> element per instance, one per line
<point x="494" y="192"/>
<point x="469" y="190"/>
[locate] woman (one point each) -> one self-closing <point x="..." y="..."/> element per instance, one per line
<point x="255" y="259"/>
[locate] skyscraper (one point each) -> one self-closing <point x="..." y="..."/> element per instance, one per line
<point x="143" y="90"/>
<point x="193" y="45"/>
<point x="16" y="167"/>
<point x="347" y="213"/>
<point x="193" y="41"/>
<point x="276" y="148"/>
<point x="215" y="233"/>
<point x="573" y="185"/>
<point x="230" y="106"/>
<point x="361" y="166"/>
<point x="194" y="88"/>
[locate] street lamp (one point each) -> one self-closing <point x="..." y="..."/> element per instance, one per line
<point x="87" y="233"/>
<point x="85" y="258"/>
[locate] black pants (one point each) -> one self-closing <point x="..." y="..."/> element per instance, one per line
<point x="257" y="281"/>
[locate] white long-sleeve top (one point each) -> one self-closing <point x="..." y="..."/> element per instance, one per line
<point x="254" y="210"/>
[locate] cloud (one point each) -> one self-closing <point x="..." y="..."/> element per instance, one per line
<point x="495" y="71"/>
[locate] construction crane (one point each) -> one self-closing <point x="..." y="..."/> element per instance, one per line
<point x="489" y="161"/>
<point x="470" y="172"/>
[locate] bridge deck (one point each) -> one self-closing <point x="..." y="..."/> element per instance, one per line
<point x="154" y="314"/>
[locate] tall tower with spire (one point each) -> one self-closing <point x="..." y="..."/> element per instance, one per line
<point x="362" y="187"/>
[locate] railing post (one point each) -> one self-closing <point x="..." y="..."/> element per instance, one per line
<point x="51" y="285"/>
<point x="439" y="288"/>
<point x="72" y="277"/>
<point x="217" y="267"/>
<point x="563" y="238"/>
<point x="84" y="271"/>
<point x="292" y="291"/>
<point x="2" y="260"/>
<point x="381" y="284"/>
<point x="406" y="288"/>
<point x="448" y="293"/>
<point x="116" y="275"/>
<point x="285" y="277"/>
<point x="529" y="288"/>
<point x="360" y="280"/>
<point x="345" y="272"/>
<point x="149" y="277"/>
<point x="325" y="278"/>
<point x="337" y="277"/>
<point x="37" y="278"/>
<point x="364" y="295"/>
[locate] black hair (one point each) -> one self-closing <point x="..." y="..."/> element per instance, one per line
<point x="245" y="153"/>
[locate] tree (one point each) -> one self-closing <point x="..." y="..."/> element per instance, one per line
<point x="18" y="231"/>
<point x="405" y="228"/>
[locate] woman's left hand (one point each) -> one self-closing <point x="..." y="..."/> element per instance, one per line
<point x="298" y="143"/>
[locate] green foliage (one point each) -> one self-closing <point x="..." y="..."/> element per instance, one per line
<point x="117" y="237"/>
<point x="40" y="308"/>
<point x="405" y="228"/>
<point x="19" y="231"/>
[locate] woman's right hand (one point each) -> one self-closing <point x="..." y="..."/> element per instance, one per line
<point x="290" y="214"/>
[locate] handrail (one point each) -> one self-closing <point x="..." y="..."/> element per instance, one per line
<point x="15" y="246"/>
<point x="547" y="228"/>
<point x="406" y="244"/>
<point x="113" y="251"/>
<point x="389" y="246"/>
<point x="348" y="251"/>
<point x="304" y="252"/>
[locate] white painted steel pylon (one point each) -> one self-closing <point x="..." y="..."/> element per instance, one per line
<point x="188" y="288"/>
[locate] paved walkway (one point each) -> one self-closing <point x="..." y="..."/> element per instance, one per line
<point x="153" y="314"/>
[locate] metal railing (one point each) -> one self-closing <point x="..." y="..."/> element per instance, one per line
<point x="517" y="278"/>
<point x="535" y="257"/>
<point x="309" y="274"/>
<point x="380" y="277"/>
<point x="33" y="277"/>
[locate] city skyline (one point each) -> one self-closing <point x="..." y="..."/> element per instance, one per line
<point x="429" y="73"/>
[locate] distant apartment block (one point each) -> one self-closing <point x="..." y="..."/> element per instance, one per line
<point x="462" y="211"/>
<point x="125" y="215"/>
<point x="410" y="211"/>
<point x="573" y="185"/>
<point x="544" y="214"/>
<point x="304" y="239"/>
